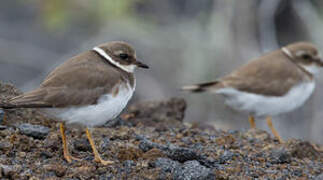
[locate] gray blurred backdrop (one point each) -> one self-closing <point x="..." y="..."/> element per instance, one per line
<point x="184" y="41"/>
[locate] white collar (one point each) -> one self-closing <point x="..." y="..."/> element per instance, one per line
<point x="128" y="68"/>
<point x="287" y="52"/>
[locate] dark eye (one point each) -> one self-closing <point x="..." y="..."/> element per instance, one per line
<point x="306" y="56"/>
<point x="123" y="56"/>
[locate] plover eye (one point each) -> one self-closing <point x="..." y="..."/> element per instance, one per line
<point x="123" y="56"/>
<point x="306" y="56"/>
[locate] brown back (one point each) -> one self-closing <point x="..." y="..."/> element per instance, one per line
<point x="272" y="74"/>
<point x="79" y="81"/>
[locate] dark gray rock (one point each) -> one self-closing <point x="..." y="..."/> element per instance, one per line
<point x="280" y="156"/>
<point x="181" y="154"/>
<point x="166" y="165"/>
<point x="193" y="170"/>
<point x="1" y="115"/>
<point x="146" y="145"/>
<point x="176" y="153"/>
<point x="35" y="131"/>
<point x="45" y="155"/>
<point x="297" y="172"/>
<point x="82" y="145"/>
<point x="173" y="152"/>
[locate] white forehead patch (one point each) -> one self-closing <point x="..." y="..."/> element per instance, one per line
<point x="128" y="68"/>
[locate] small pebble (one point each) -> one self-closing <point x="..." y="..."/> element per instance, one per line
<point x="57" y="169"/>
<point x="45" y="155"/>
<point x="3" y="127"/>
<point x="35" y="131"/>
<point x="82" y="145"/>
<point x="22" y="154"/>
<point x="1" y="115"/>
<point x="5" y="146"/>
<point x="193" y="170"/>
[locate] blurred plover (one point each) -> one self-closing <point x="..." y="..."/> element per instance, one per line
<point x="275" y="83"/>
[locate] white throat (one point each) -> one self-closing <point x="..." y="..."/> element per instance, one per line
<point x="313" y="69"/>
<point x="128" y="68"/>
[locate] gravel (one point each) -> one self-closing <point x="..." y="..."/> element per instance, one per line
<point x="151" y="143"/>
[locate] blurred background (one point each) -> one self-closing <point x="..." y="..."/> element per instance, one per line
<point x="183" y="41"/>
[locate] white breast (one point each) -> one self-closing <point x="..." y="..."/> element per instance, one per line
<point x="259" y="105"/>
<point x="108" y="107"/>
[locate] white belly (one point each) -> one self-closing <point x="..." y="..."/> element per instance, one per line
<point x="259" y="105"/>
<point x="108" y="107"/>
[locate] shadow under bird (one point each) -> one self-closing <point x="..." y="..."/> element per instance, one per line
<point x="275" y="83"/>
<point x="88" y="89"/>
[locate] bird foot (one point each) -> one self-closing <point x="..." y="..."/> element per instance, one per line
<point x="104" y="162"/>
<point x="69" y="158"/>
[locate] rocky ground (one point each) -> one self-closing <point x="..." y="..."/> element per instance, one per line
<point x="149" y="142"/>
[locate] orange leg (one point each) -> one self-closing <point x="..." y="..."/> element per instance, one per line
<point x="67" y="154"/>
<point x="97" y="157"/>
<point x="128" y="116"/>
<point x="252" y="122"/>
<point x="273" y="130"/>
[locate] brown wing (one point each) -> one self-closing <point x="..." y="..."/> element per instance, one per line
<point x="272" y="75"/>
<point x="79" y="81"/>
